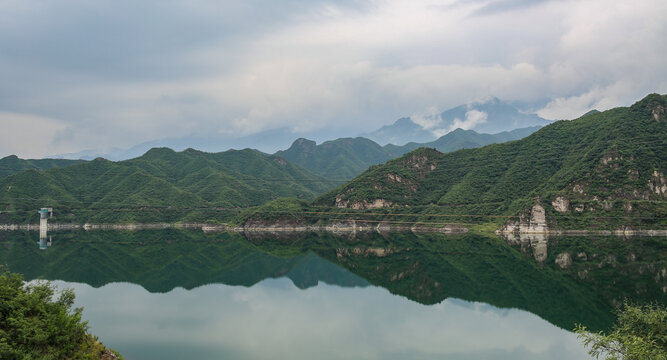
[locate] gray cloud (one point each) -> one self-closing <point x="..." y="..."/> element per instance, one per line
<point x="115" y="73"/>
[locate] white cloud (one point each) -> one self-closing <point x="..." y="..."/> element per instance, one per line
<point x="28" y="135"/>
<point x="473" y="118"/>
<point x="430" y="120"/>
<point x="273" y="319"/>
<point x="601" y="99"/>
<point x="318" y="65"/>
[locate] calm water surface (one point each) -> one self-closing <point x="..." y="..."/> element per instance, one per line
<point x="188" y="295"/>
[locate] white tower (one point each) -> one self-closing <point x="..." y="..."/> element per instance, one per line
<point x="43" y="226"/>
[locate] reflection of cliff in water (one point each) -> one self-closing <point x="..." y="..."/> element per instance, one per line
<point x="429" y="268"/>
<point x="162" y="260"/>
<point x="530" y="273"/>
<point x="618" y="268"/>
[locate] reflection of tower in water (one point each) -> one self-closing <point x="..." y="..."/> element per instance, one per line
<point x="44" y="214"/>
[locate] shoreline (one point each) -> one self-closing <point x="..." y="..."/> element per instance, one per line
<point x="346" y="227"/>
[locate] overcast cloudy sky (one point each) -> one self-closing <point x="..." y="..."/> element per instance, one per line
<point x="79" y="74"/>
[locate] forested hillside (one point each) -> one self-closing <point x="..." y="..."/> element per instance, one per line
<point x="161" y="185"/>
<point x="603" y="168"/>
<point x="12" y="164"/>
<point x="345" y="158"/>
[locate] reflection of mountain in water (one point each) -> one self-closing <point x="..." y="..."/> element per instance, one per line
<point x="424" y="268"/>
<point x="431" y="267"/>
<point x="162" y="260"/>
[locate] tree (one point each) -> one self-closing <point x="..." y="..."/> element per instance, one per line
<point x="640" y="333"/>
<point x="34" y="324"/>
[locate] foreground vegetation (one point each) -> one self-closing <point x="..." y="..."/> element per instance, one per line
<point x="640" y="333"/>
<point x="34" y="324"/>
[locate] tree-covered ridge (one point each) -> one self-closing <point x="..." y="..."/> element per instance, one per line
<point x="161" y="178"/>
<point x="12" y="164"/>
<point x="610" y="164"/>
<point x="342" y="158"/>
<point x="345" y="158"/>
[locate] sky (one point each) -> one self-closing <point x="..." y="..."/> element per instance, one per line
<point x="80" y="74"/>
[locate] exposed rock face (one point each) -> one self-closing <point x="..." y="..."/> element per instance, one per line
<point x="578" y="188"/>
<point x="108" y="355"/>
<point x="609" y="157"/>
<point x="657" y="183"/>
<point x="538" y="219"/>
<point x="358" y="251"/>
<point x="376" y="204"/>
<point x="627" y="206"/>
<point x="659" y="112"/>
<point x="340" y="203"/>
<point x="564" y="260"/>
<point x="395" y="178"/>
<point x="361" y="205"/>
<point x="422" y="162"/>
<point x="561" y="204"/>
<point x="536" y="224"/>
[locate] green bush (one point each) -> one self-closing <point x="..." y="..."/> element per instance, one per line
<point x="34" y="324"/>
<point x="640" y="333"/>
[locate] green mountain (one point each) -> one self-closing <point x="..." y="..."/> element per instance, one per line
<point x="490" y="117"/>
<point x="603" y="170"/>
<point x="345" y="158"/>
<point x="161" y="185"/>
<point x="12" y="164"/>
<point x="463" y="139"/>
<point x="340" y="159"/>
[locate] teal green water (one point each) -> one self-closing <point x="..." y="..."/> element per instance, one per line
<point x="176" y="294"/>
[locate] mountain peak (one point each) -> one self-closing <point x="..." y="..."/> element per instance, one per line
<point x="653" y="105"/>
<point x="486" y="116"/>
<point x="10" y="158"/>
<point x="303" y="144"/>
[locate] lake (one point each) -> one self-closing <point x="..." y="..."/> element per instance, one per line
<point x="172" y="294"/>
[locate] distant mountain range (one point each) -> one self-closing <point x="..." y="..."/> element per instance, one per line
<point x="182" y="181"/>
<point x="267" y="141"/>
<point x="492" y="116"/>
<point x="346" y="158"/>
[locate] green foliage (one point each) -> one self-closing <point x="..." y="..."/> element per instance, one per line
<point x="605" y="162"/>
<point x="346" y="158"/>
<point x="161" y="185"/>
<point x="640" y="333"/>
<point x="338" y="159"/>
<point x="283" y="209"/>
<point x="36" y="325"/>
<point x="12" y="164"/>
